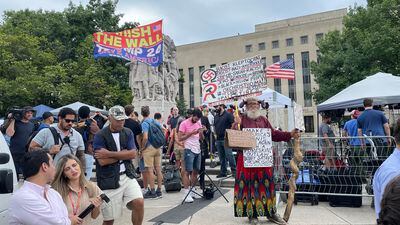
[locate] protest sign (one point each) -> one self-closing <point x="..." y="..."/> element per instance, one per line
<point x="262" y="155"/>
<point x="143" y="43"/>
<point x="236" y="79"/>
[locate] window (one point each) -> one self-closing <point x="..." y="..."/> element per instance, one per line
<point x="309" y="124"/>
<point x="213" y="66"/>
<point x="191" y="87"/>
<point x="201" y="69"/>
<point x="305" y="63"/>
<point x="261" y="46"/>
<point x="318" y="56"/>
<point x="275" y="44"/>
<point x="318" y="37"/>
<point x="248" y="48"/>
<point x="181" y="85"/>
<point x="264" y="62"/>
<point x="289" y="42"/>
<point x="277" y="82"/>
<point x="292" y="83"/>
<point x="304" y="39"/>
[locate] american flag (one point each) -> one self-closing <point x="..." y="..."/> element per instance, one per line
<point x="281" y="70"/>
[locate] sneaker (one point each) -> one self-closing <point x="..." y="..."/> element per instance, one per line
<point x="159" y="193"/>
<point x="221" y="175"/>
<point x="145" y="190"/>
<point x="189" y="198"/>
<point x="194" y="195"/>
<point x="150" y="195"/>
<point x="275" y="218"/>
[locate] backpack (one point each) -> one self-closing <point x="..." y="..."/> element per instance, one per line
<point x="87" y="132"/>
<point x="156" y="135"/>
<point x="55" y="134"/>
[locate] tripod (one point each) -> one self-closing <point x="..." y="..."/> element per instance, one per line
<point x="211" y="184"/>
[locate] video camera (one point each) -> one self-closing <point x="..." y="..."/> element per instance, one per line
<point x="17" y="114"/>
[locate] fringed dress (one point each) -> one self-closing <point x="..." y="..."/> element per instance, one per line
<point x="254" y="193"/>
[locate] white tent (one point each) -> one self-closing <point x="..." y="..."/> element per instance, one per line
<point x="275" y="99"/>
<point x="383" y="88"/>
<point x="76" y="105"/>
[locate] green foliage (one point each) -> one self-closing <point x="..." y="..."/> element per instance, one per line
<point x="369" y="43"/>
<point x="46" y="57"/>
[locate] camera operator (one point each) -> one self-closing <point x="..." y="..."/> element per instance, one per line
<point x="19" y="129"/>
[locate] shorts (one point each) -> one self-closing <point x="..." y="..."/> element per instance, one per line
<point x="151" y="156"/>
<point x="192" y="160"/>
<point x="179" y="154"/>
<point x="329" y="153"/>
<point x="129" y="190"/>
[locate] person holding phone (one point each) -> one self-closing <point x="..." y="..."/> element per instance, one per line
<point x="75" y="190"/>
<point x="190" y="132"/>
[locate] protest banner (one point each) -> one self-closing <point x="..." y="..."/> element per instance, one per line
<point x="238" y="79"/>
<point x="262" y="155"/>
<point x="143" y="43"/>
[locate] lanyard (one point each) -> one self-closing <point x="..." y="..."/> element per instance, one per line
<point x="75" y="210"/>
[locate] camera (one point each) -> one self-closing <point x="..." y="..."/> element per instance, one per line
<point x="17" y="114"/>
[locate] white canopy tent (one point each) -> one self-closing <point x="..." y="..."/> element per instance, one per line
<point x="383" y="88"/>
<point x="76" y="105"/>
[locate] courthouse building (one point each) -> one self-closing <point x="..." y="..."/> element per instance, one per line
<point x="290" y="38"/>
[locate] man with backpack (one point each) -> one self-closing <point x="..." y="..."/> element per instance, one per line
<point x="62" y="139"/>
<point x="87" y="127"/>
<point x="153" y="140"/>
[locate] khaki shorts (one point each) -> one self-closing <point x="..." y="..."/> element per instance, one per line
<point x="151" y="156"/>
<point x="128" y="190"/>
<point x="179" y="154"/>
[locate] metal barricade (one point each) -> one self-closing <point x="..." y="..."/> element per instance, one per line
<point x="332" y="166"/>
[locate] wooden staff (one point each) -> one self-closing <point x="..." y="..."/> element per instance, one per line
<point x="294" y="162"/>
<point x="237" y="111"/>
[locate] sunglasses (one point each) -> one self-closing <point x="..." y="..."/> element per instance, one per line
<point x="69" y="121"/>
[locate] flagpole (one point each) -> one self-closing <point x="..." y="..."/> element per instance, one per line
<point x="162" y="68"/>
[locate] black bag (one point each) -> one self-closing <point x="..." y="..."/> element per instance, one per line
<point x="172" y="178"/>
<point x="306" y="182"/>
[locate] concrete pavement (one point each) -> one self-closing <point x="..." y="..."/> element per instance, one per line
<point x="220" y="212"/>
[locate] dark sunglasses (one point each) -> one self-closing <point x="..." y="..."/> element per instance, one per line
<point x="69" y="121"/>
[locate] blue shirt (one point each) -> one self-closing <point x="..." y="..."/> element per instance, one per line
<point x="43" y="125"/>
<point x="371" y="122"/>
<point x="146" y="127"/>
<point x="352" y="131"/>
<point x="385" y="173"/>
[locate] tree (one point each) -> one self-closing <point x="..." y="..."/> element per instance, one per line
<point x="47" y="57"/>
<point x="369" y="43"/>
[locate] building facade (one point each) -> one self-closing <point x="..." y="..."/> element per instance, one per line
<point x="291" y="38"/>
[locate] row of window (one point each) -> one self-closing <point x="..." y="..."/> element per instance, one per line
<point x="289" y="42"/>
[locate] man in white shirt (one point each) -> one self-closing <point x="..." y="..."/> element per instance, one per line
<point x="36" y="202"/>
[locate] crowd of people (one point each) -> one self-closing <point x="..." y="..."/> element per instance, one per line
<point x="56" y="161"/>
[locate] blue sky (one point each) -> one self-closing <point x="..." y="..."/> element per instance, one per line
<point x="188" y="21"/>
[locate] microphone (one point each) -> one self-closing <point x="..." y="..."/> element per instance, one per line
<point x="90" y="208"/>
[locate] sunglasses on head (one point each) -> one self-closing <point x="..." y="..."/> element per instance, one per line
<point x="69" y="121"/>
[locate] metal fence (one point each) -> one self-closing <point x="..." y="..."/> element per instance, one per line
<point x="332" y="166"/>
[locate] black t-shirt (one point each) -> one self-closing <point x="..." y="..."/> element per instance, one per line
<point x="19" y="140"/>
<point x="135" y="127"/>
<point x="221" y="123"/>
<point x="174" y="121"/>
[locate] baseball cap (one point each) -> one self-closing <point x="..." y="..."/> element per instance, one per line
<point x="46" y="115"/>
<point x="355" y="113"/>
<point x="118" y="112"/>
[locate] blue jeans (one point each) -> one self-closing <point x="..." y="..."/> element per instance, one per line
<point x="89" y="166"/>
<point x="192" y="161"/>
<point x="224" y="155"/>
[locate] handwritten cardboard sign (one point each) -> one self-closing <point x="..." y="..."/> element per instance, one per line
<point x="236" y="79"/>
<point x="261" y="155"/>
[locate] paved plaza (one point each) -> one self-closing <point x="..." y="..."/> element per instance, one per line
<point x="220" y="212"/>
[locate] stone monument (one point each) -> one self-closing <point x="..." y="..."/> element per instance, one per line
<point x="156" y="87"/>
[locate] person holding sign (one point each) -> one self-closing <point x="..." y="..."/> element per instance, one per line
<point x="254" y="192"/>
